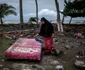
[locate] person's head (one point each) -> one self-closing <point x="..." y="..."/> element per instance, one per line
<point x="43" y="20"/>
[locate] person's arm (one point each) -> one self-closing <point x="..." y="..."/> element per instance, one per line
<point x="36" y="35"/>
<point x="52" y="35"/>
<point x="52" y="31"/>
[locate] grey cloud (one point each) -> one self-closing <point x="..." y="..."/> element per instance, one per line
<point x="29" y="7"/>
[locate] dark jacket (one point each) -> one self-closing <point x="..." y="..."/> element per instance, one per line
<point x="46" y="29"/>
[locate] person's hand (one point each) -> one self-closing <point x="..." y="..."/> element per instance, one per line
<point x="36" y="35"/>
<point x="52" y="35"/>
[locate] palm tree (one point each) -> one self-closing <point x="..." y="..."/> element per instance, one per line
<point x="74" y="9"/>
<point x="36" y="12"/>
<point x="32" y="19"/>
<point x="6" y="10"/>
<point x="21" y="13"/>
<point x="59" y="24"/>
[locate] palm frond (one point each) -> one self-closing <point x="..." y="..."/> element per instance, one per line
<point x="10" y="12"/>
<point x="10" y="8"/>
<point x="6" y="10"/>
<point x="75" y="8"/>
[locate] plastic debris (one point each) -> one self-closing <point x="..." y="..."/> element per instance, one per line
<point x="59" y="67"/>
<point x="1" y="65"/>
<point x="2" y="60"/>
<point x="5" y="69"/>
<point x="81" y="54"/>
<point x="38" y="39"/>
<point x="79" y="35"/>
<point x="80" y="64"/>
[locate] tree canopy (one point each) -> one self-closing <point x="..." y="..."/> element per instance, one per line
<point x="32" y="19"/>
<point x="74" y="8"/>
<point x="6" y="10"/>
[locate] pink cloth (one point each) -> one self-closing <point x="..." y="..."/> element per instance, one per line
<point x="24" y="48"/>
<point x="48" y="41"/>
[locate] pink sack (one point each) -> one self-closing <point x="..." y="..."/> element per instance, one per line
<point x="24" y="48"/>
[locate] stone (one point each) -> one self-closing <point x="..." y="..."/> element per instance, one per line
<point x="56" y="43"/>
<point x="1" y="65"/>
<point x="29" y="36"/>
<point x="55" y="62"/>
<point x="55" y="40"/>
<point x="2" y="60"/>
<point x="77" y="56"/>
<point x="79" y="63"/>
<point x="59" y="67"/>
<point x="83" y="43"/>
<point x="26" y="67"/>
<point x="21" y="66"/>
<point x="67" y="47"/>
<point x="81" y="53"/>
<point x="37" y="67"/>
<point x="5" y="69"/>
<point x="58" y="51"/>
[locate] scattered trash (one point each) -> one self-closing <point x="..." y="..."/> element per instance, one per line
<point x="55" y="62"/>
<point x="5" y="69"/>
<point x="1" y="65"/>
<point x="28" y="36"/>
<point x="59" y="52"/>
<point x="2" y="60"/>
<point x="5" y="35"/>
<point x="60" y="67"/>
<point x="81" y="54"/>
<point x="37" y="67"/>
<point x="79" y="35"/>
<point x="38" y="39"/>
<point x="80" y="64"/>
<point x="77" y="56"/>
<point x="26" y="69"/>
<point x="67" y="47"/>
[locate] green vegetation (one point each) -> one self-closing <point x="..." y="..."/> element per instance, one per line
<point x="6" y="10"/>
<point x="4" y="45"/>
<point x="32" y="19"/>
<point x="74" y="8"/>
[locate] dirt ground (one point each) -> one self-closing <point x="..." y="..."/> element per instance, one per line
<point x="67" y="43"/>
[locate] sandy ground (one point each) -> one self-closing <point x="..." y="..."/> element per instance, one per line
<point x="67" y="43"/>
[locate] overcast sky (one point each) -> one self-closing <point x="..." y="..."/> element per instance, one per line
<point x="46" y="8"/>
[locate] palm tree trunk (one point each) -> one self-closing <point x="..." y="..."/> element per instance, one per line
<point x="36" y="12"/>
<point x="1" y="21"/>
<point x="70" y="20"/>
<point x="21" y="14"/>
<point x="59" y="24"/>
<point x="63" y="19"/>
